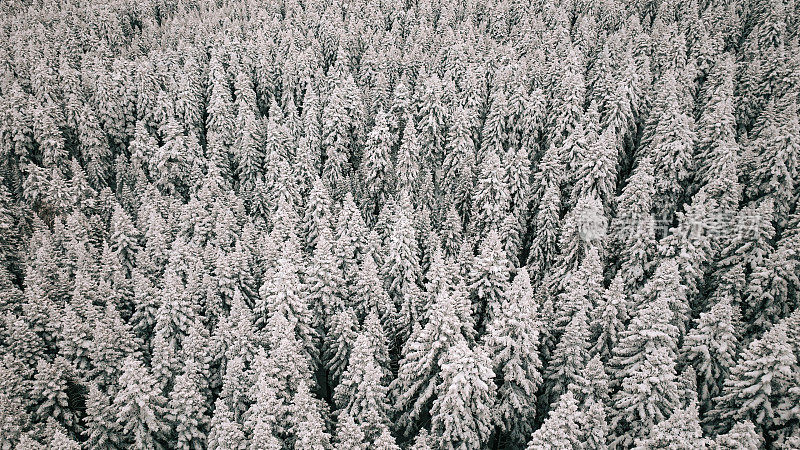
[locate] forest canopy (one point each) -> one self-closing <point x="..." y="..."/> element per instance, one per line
<point x="377" y="224"/>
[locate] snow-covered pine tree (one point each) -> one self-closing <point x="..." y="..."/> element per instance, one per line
<point x="407" y="161"/>
<point x="643" y="364"/>
<point x="560" y="430"/>
<point x="376" y="165"/>
<point x="362" y="394"/>
<point x="488" y="279"/>
<point x="423" y="355"/>
<point x="756" y="385"/>
<point x="308" y="427"/>
<point x="462" y="414"/>
<point x="633" y="228"/>
<point x="187" y="410"/>
<point x="491" y="200"/>
<point x="401" y="270"/>
<point x="512" y="341"/>
<point x="608" y="319"/>
<point x="569" y="357"/>
<point x="140" y="408"/>
<point x="680" y="432"/>
<point x="743" y="436"/>
<point x="710" y="348"/>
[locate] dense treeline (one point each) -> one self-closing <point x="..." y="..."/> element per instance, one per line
<point x="434" y="224"/>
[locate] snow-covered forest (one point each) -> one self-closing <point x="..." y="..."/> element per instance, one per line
<point x="386" y="224"/>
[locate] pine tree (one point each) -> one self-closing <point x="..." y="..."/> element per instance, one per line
<point x="140" y="408"/>
<point x="385" y="441"/>
<point x="716" y="126"/>
<point x="593" y="425"/>
<point x="775" y="147"/>
<point x="569" y="357"/>
<point x="94" y="147"/>
<point x="407" y="162"/>
<point x="317" y="213"/>
<point x="49" y="392"/>
<point x="234" y="387"/>
<point x="176" y="313"/>
<point x="124" y="239"/>
<point x="307" y="424"/>
<point x="596" y="173"/>
<point x="756" y="385"/>
<point x="583" y="228"/>
<point x="592" y="384"/>
<point x="113" y="341"/>
<point x="324" y="283"/>
<point x="423" y="355"/>
<point x="338" y="343"/>
<point x="459" y="166"/>
<point x="376" y="164"/>
<point x="247" y="152"/>
<point x="368" y="293"/>
<point x="461" y="415"/>
<point x="267" y="417"/>
<point x="743" y="436"/>
<point x="220" y="117"/>
<point x="680" y="431"/>
<point x="649" y="395"/>
<point x="518" y="181"/>
<point x="337" y="137"/>
<point x="608" y="321"/>
<point x="671" y="150"/>
<point x="511" y="341"/>
<point x="491" y="199"/>
<point x="489" y="278"/>
<point x="401" y="270"/>
<point x="351" y="238"/>
<point x="710" y="348"/>
<point x="560" y="430"/>
<point x="9" y="216"/>
<point x="282" y="294"/>
<point x="583" y="290"/>
<point x="633" y="228"/>
<point x="643" y="363"/>
<point x="544" y="246"/>
<point x="361" y="395"/>
<point x="102" y="430"/>
<point x="566" y="110"/>
<point x="187" y="410"/>
<point x="349" y="434"/>
<point x="225" y="434"/>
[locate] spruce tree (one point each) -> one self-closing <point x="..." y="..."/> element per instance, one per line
<point x="633" y="228"/>
<point x="680" y="431"/>
<point x="560" y="430"/>
<point x="140" y="408"/>
<point x="401" y="270"/>
<point x="491" y="199"/>
<point x="711" y="347"/>
<point x="225" y="434"/>
<point x="376" y="164"/>
<point x="407" y="161"/>
<point x="187" y="410"/>
<point x="463" y="410"/>
<point x="423" y="355"/>
<point x="742" y="436"/>
<point x="361" y="395"/>
<point x="488" y="279"/>
<point x="756" y="384"/>
<point x="608" y="320"/>
<point x="307" y="424"/>
<point x="569" y="357"/>
<point x="512" y="341"/>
